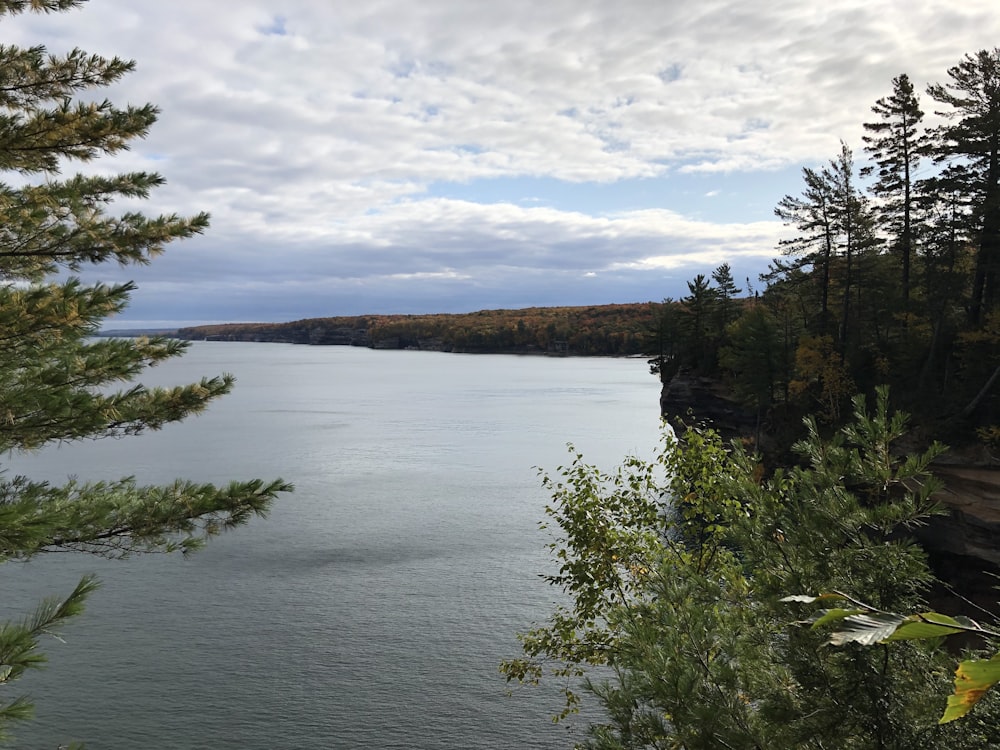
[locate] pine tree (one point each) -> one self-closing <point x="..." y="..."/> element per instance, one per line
<point x="675" y="574"/>
<point x="696" y="324"/>
<point x="55" y="379"/>
<point x="726" y="292"/>
<point x="970" y="144"/>
<point x="753" y="354"/>
<point x="813" y="215"/>
<point x="853" y="227"/>
<point x="833" y="219"/>
<point x="896" y="144"/>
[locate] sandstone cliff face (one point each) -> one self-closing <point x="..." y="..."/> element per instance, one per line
<point x="691" y="399"/>
<point x="972" y="528"/>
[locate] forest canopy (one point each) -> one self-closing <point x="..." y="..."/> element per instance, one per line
<point x="890" y="273"/>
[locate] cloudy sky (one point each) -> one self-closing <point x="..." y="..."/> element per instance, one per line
<point x="398" y="156"/>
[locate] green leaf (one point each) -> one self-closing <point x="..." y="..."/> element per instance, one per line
<point x="806" y="599"/>
<point x="927" y="625"/>
<point x="972" y="679"/>
<point x="867" y="629"/>
<point x="826" y="616"/>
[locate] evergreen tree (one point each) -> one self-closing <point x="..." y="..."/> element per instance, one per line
<point x="813" y="215"/>
<point x="946" y="268"/>
<point x="696" y="324"/>
<point x="662" y="341"/>
<point x="726" y="292"/>
<point x="56" y="382"/>
<point x="753" y="355"/>
<point x="896" y="144"/>
<point x="970" y="144"/>
<point x="853" y="228"/>
<point x="834" y="219"/>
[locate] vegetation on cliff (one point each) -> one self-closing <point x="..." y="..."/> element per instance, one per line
<point x="891" y="280"/>
<point x="677" y="571"/>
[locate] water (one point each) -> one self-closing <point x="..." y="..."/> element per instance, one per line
<point x="372" y="607"/>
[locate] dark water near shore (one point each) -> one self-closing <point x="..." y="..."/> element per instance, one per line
<point x="372" y="607"/>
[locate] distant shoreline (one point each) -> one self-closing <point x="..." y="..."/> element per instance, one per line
<point x="597" y="330"/>
<point x="171" y="333"/>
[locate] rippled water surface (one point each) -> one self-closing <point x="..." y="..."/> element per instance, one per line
<point x="372" y="607"/>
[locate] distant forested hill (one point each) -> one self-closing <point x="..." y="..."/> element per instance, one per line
<point x="601" y="330"/>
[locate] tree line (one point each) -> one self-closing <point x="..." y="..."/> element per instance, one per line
<point x="597" y="330"/>
<point x="890" y="275"/>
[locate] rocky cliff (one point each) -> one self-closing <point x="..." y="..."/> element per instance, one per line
<point x="972" y="527"/>
<point x="690" y="398"/>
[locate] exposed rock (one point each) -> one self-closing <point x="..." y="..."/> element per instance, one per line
<point x="342" y="336"/>
<point x="389" y="342"/>
<point x="691" y="398"/>
<point x="972" y="529"/>
<point x="964" y="546"/>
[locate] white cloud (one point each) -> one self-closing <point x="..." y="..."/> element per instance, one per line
<point x="316" y="138"/>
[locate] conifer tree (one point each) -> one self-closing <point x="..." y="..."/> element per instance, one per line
<point x="56" y="381"/>
<point x="696" y="323"/>
<point x="832" y="218"/>
<point x="676" y="574"/>
<point x="896" y="144"/>
<point x="854" y="230"/>
<point x="813" y="215"/>
<point x="726" y="293"/>
<point x="970" y="143"/>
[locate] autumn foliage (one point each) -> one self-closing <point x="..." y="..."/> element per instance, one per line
<point x="599" y="330"/>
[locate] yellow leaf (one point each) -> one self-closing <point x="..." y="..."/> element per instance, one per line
<point x="972" y="679"/>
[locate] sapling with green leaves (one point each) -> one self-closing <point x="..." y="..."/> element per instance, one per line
<point x="675" y="570"/>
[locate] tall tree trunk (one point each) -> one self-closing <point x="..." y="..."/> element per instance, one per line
<point x="974" y="404"/>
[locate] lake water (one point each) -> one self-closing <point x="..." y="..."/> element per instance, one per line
<point x="373" y="605"/>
